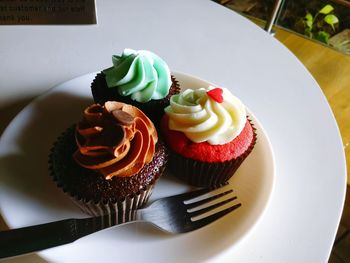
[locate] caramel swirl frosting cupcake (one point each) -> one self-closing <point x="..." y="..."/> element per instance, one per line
<point x="116" y="140"/>
<point x="110" y="160"/>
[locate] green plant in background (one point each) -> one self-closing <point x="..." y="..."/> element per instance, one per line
<point x="322" y="25"/>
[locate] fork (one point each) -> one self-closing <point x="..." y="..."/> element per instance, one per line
<point x="175" y="214"/>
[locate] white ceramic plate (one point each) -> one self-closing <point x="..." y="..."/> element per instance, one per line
<point x="28" y="196"/>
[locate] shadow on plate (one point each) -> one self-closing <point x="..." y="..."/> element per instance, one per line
<point x="26" y="143"/>
<point x="9" y="111"/>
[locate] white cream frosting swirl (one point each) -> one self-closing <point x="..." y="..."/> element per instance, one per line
<point x="203" y="119"/>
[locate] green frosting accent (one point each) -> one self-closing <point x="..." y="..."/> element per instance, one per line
<point x="139" y="74"/>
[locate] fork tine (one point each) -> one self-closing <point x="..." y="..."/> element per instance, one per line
<point x="207" y="220"/>
<point x="193" y="194"/>
<point x="196" y="193"/>
<point x="209" y="208"/>
<point x="207" y="200"/>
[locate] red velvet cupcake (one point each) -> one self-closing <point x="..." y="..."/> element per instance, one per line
<point x="209" y="135"/>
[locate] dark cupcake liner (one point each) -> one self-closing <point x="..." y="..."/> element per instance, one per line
<point x="120" y="208"/>
<point x="120" y="211"/>
<point x="154" y="109"/>
<point x="207" y="174"/>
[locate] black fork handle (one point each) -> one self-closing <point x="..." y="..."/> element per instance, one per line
<point x="35" y="238"/>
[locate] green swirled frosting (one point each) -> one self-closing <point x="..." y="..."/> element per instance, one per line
<point x="140" y="74"/>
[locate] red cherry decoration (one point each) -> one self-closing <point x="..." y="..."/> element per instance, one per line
<point x="216" y="94"/>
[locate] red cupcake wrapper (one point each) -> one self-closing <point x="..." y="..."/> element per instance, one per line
<point x="205" y="174"/>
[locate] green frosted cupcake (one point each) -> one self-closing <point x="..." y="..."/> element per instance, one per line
<point x="140" y="78"/>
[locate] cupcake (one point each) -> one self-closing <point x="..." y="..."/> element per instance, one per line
<point x="109" y="162"/>
<point x="209" y="135"/>
<point x="139" y="78"/>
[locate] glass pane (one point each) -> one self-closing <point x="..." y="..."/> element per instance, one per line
<point x="260" y="9"/>
<point x="325" y="21"/>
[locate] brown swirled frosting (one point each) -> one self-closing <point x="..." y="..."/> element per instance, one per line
<point x="115" y="139"/>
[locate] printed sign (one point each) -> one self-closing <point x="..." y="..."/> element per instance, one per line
<point x="47" y="12"/>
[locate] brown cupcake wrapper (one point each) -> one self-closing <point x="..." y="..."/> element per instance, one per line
<point x="120" y="211"/>
<point x="205" y="174"/>
<point x="154" y="109"/>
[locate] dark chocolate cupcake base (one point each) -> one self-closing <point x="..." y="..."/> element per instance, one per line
<point x="91" y="191"/>
<point x="154" y="109"/>
<point x="120" y="211"/>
